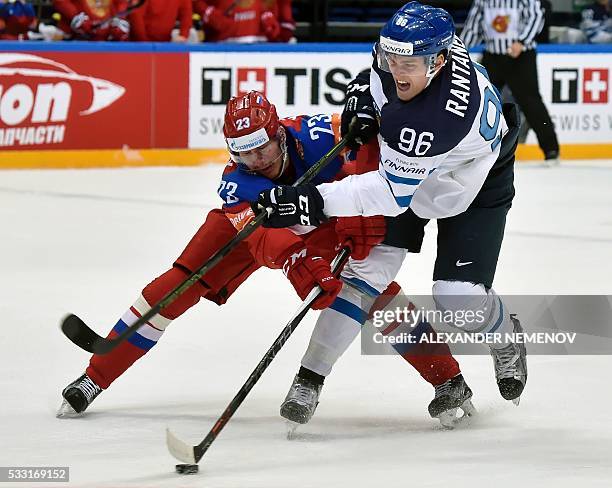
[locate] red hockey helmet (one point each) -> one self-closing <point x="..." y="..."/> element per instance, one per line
<point x="251" y="129"/>
<point x="250" y="122"/>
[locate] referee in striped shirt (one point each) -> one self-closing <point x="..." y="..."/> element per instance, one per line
<point x="508" y="29"/>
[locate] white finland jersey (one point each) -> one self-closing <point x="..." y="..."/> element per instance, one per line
<point x="435" y="150"/>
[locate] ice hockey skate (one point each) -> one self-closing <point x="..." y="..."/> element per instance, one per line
<point x="511" y="367"/>
<point x="450" y="397"/>
<point x="300" y="403"/>
<point x="78" y="395"/>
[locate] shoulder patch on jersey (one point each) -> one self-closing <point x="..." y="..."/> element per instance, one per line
<point x="309" y="138"/>
<point x="241" y="218"/>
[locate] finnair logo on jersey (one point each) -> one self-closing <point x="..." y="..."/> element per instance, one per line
<point x="404" y="169"/>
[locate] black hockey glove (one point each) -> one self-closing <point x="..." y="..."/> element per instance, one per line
<point x="359" y="104"/>
<point x="301" y="205"/>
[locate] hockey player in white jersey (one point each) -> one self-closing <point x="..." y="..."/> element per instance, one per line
<point x="446" y="153"/>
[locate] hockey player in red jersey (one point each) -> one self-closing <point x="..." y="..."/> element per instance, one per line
<point x="93" y="20"/>
<point x="264" y="151"/>
<point x="154" y="21"/>
<point x="16" y="19"/>
<point x="246" y="21"/>
<point x="278" y="12"/>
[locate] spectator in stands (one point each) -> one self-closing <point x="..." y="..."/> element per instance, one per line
<point x="94" y="21"/>
<point x="246" y="20"/>
<point x="282" y="11"/>
<point x="155" y="20"/>
<point x="508" y="29"/>
<point x="597" y="22"/>
<point x="16" y="19"/>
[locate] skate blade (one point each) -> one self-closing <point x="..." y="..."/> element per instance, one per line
<point x="291" y="429"/>
<point x="450" y="420"/>
<point x="468" y="408"/>
<point x="65" y="411"/>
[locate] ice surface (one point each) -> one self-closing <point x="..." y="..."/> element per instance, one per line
<point x="87" y="241"/>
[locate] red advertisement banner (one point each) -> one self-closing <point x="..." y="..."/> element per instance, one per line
<point x="92" y="100"/>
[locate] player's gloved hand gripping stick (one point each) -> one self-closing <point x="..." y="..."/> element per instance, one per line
<point x="83" y="336"/>
<point x="192" y="454"/>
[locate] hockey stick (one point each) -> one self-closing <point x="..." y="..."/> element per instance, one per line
<point x="229" y="10"/>
<point x="192" y="454"/>
<point x="122" y="13"/>
<point x="83" y="336"/>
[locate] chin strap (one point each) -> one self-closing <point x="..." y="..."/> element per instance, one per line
<point x="285" y="154"/>
<point x="433" y="74"/>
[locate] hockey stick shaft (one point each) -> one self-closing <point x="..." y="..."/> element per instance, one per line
<point x="229" y="10"/>
<point x="193" y="454"/>
<point x="83" y="336"/>
<point x="122" y="13"/>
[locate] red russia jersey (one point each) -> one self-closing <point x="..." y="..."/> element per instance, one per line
<point x="282" y="10"/>
<point x="16" y="18"/>
<point x="96" y="10"/>
<point x="309" y="138"/>
<point x="154" y="21"/>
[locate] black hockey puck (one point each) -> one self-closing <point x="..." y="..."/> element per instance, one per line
<point x="187" y="468"/>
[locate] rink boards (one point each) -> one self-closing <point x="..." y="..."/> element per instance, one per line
<point x="139" y="104"/>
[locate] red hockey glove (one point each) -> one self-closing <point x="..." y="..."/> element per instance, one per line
<point x="361" y="233"/>
<point x="81" y="24"/>
<point x="305" y="271"/>
<point x="119" y="29"/>
<point x="270" y="26"/>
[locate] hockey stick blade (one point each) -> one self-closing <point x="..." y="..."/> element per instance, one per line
<point x="192" y="454"/>
<point x="179" y="449"/>
<point x="87" y="339"/>
<point x="79" y="332"/>
<point x="83" y="336"/>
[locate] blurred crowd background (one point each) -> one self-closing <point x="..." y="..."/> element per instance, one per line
<point x="567" y="21"/>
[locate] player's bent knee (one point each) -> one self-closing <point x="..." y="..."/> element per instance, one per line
<point x="165" y="283"/>
<point x="374" y="273"/>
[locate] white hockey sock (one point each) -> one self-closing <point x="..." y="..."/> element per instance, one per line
<point x="464" y="296"/>
<point x="335" y="330"/>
